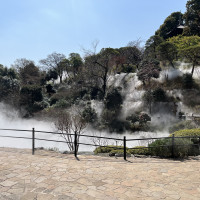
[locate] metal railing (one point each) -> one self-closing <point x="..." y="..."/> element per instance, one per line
<point x="76" y="142"/>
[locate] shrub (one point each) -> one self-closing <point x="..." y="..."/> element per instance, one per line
<point x="107" y="149"/>
<point x="182" y="125"/>
<point x="163" y="148"/>
<point x="89" y="114"/>
<point x="139" y="150"/>
<point x="187" y="132"/>
<point x="159" y="95"/>
<point x="113" y="100"/>
<point x="62" y="103"/>
<point x="188" y="81"/>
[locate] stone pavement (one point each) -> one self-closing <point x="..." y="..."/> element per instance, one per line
<point x="53" y="176"/>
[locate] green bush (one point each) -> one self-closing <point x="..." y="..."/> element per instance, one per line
<point x="159" y="95"/>
<point x="113" y="100"/>
<point x="107" y="149"/>
<point x="187" y="132"/>
<point x="120" y="152"/>
<point x="163" y="148"/>
<point x="139" y="150"/>
<point x="188" y="81"/>
<point x="182" y="125"/>
<point x="89" y="114"/>
<point x="62" y="103"/>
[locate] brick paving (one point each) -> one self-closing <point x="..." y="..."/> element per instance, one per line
<point x="54" y="176"/>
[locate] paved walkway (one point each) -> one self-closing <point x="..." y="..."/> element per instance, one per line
<point x="53" y="176"/>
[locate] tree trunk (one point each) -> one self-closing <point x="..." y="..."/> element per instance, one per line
<point x="172" y="64"/>
<point x="192" y="69"/>
<point x="60" y="79"/>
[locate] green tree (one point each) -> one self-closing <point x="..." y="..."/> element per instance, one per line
<point x="192" y="17"/>
<point x="167" y="51"/>
<point x="75" y="62"/>
<point x="170" y="23"/>
<point x="151" y="46"/>
<point x="192" y="54"/>
<point x="188" y="48"/>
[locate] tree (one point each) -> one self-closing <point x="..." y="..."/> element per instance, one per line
<point x="151" y="46"/>
<point x="192" y="18"/>
<point x="130" y="56"/>
<point x="75" y="62"/>
<point x="55" y="62"/>
<point x="192" y="54"/>
<point x="147" y="71"/>
<point x="188" y="48"/>
<point x="170" y="23"/>
<point x="99" y="66"/>
<point x="167" y="52"/>
<point x="69" y="125"/>
<point x="9" y="85"/>
<point x="29" y="95"/>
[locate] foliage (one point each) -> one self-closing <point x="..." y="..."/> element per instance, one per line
<point x="159" y="95"/>
<point x="9" y="89"/>
<point x="182" y="125"/>
<point x="113" y="100"/>
<point x="148" y="71"/>
<point x="29" y="94"/>
<point x="62" y="103"/>
<point x="107" y="149"/>
<point x="167" y="52"/>
<point x="187" y="132"/>
<point x="99" y="67"/>
<point x="163" y="148"/>
<point x="188" y="48"/>
<point x="140" y="150"/>
<point x="55" y="61"/>
<point x="170" y="23"/>
<point x="148" y="99"/>
<point x="191" y="97"/>
<point x="192" y="17"/>
<point x="151" y="46"/>
<point x="188" y="81"/>
<point x="89" y="114"/>
<point x="138" y="121"/>
<point x="75" y="63"/>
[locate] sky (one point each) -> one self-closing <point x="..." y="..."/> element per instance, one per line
<point x="33" y="29"/>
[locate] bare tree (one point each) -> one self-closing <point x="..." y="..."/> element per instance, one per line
<point x="69" y="125"/>
<point x="98" y="141"/>
<point x="55" y="61"/>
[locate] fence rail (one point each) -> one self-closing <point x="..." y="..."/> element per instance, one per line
<point x="76" y="143"/>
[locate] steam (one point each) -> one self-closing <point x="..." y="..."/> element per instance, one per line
<point x="127" y="83"/>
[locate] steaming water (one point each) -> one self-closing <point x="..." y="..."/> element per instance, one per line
<point x="10" y="119"/>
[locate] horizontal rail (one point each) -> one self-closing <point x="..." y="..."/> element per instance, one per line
<point x="53" y="140"/>
<point x="110" y="138"/>
<point x="5" y="129"/>
<point x="8" y="136"/>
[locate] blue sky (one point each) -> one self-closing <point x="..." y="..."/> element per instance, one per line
<point x="32" y="29"/>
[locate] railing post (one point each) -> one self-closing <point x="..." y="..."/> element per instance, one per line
<point x="33" y="141"/>
<point x="173" y="145"/>
<point x="75" y="144"/>
<point x="124" y="147"/>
